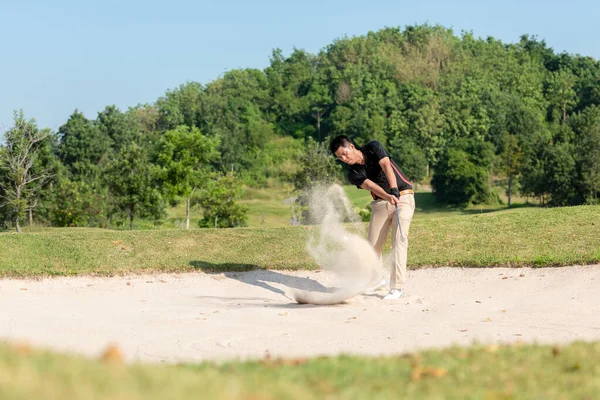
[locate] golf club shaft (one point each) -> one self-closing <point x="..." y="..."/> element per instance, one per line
<point x="399" y="225"/>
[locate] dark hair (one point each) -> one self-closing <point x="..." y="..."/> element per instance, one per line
<point x="339" y="141"/>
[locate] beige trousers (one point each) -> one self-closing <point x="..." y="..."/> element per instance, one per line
<point x="384" y="216"/>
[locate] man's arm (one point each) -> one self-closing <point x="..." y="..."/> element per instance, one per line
<point x="378" y="190"/>
<point x="386" y="166"/>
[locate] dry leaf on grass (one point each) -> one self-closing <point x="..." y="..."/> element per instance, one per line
<point x="281" y="361"/>
<point x="491" y="348"/>
<point x="555" y="351"/>
<point x="112" y="354"/>
<point x="419" y="371"/>
<point x="23" y="348"/>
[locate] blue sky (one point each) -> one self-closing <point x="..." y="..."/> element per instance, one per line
<point x="64" y="54"/>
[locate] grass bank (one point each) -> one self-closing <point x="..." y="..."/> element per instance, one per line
<point x="517" y="237"/>
<point x="507" y="372"/>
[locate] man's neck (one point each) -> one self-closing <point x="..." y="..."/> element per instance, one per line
<point x="361" y="160"/>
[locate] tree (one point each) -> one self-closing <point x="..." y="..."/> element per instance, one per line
<point x="145" y="118"/>
<point x="456" y="179"/>
<point x="410" y="158"/>
<point x="133" y="186"/>
<point x="119" y="127"/>
<point x="422" y="122"/>
<point x="559" y="172"/>
<point x="235" y="109"/>
<point x="21" y="180"/>
<point x="510" y="161"/>
<point x="183" y="158"/>
<point x="319" y="99"/>
<point x="75" y="203"/>
<point x="180" y="107"/>
<point x="82" y="146"/>
<point x="561" y="94"/>
<point x="533" y="167"/>
<point x="461" y="175"/>
<point x="587" y="154"/>
<point x="218" y="199"/>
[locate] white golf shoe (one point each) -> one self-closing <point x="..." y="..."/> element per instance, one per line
<point x="393" y="294"/>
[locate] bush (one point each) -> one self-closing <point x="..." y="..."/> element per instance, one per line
<point x="218" y="202"/>
<point x="461" y="175"/>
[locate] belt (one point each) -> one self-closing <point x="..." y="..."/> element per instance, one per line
<point x="402" y="193"/>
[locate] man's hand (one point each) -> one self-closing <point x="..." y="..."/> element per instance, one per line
<point x="394" y="198"/>
<point x="380" y="192"/>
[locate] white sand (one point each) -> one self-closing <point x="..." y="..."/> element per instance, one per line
<point x="193" y="317"/>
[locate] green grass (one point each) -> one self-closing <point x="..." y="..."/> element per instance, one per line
<point x="266" y="209"/>
<point x="478" y="372"/>
<point x="516" y="237"/>
<point x="70" y="251"/>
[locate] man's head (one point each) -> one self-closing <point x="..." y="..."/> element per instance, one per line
<point x="345" y="151"/>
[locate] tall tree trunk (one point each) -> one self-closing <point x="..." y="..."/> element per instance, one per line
<point x="131" y="215"/>
<point x="508" y="192"/>
<point x="216" y="221"/>
<point x="30" y="217"/>
<point x="319" y="124"/>
<point x="18" y="210"/>
<point x="187" y="213"/>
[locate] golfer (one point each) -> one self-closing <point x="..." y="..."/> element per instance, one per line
<point x="372" y="169"/>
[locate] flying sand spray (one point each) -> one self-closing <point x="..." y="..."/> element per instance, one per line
<point x="348" y="255"/>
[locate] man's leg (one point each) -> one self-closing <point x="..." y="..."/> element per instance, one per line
<point x="378" y="230"/>
<point x="379" y="225"/>
<point x="406" y="209"/>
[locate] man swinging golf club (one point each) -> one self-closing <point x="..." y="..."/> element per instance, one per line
<point x="372" y="169"/>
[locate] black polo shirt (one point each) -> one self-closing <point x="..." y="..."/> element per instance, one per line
<point x="373" y="153"/>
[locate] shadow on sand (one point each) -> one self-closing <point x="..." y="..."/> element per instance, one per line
<point x="256" y="276"/>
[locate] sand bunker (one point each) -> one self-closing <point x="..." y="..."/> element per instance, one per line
<point x="194" y="317"/>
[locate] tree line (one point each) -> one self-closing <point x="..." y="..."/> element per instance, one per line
<point x="465" y="112"/>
